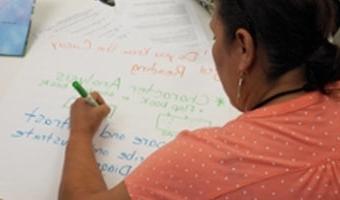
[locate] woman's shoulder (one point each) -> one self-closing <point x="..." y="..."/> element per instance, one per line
<point x="214" y="135"/>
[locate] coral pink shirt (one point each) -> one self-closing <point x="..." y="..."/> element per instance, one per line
<point x="285" y="151"/>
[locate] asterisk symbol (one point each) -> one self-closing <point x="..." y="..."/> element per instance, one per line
<point x="220" y="102"/>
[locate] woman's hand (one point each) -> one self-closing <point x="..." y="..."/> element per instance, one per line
<point x="86" y="119"/>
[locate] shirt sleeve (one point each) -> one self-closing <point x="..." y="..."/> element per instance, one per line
<point x="193" y="166"/>
<point x="165" y="173"/>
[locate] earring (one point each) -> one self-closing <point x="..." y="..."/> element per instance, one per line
<point x="240" y="84"/>
<point x="331" y="39"/>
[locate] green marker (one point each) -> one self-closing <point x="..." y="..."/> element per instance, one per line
<point x="88" y="98"/>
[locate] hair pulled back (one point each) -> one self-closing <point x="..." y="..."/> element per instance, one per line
<point x="294" y="33"/>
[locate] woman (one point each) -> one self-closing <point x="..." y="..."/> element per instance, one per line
<point x="276" y="64"/>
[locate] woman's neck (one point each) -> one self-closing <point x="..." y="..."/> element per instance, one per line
<point x="285" y="88"/>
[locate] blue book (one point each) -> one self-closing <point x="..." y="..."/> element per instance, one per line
<point x="15" y="23"/>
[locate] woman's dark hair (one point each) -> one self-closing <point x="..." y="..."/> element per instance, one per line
<point x="295" y="33"/>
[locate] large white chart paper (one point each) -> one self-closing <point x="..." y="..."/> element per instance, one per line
<point x="153" y="94"/>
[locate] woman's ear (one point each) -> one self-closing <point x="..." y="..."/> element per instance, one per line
<point x="246" y="45"/>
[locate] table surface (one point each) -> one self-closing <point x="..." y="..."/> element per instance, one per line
<point x="10" y="66"/>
